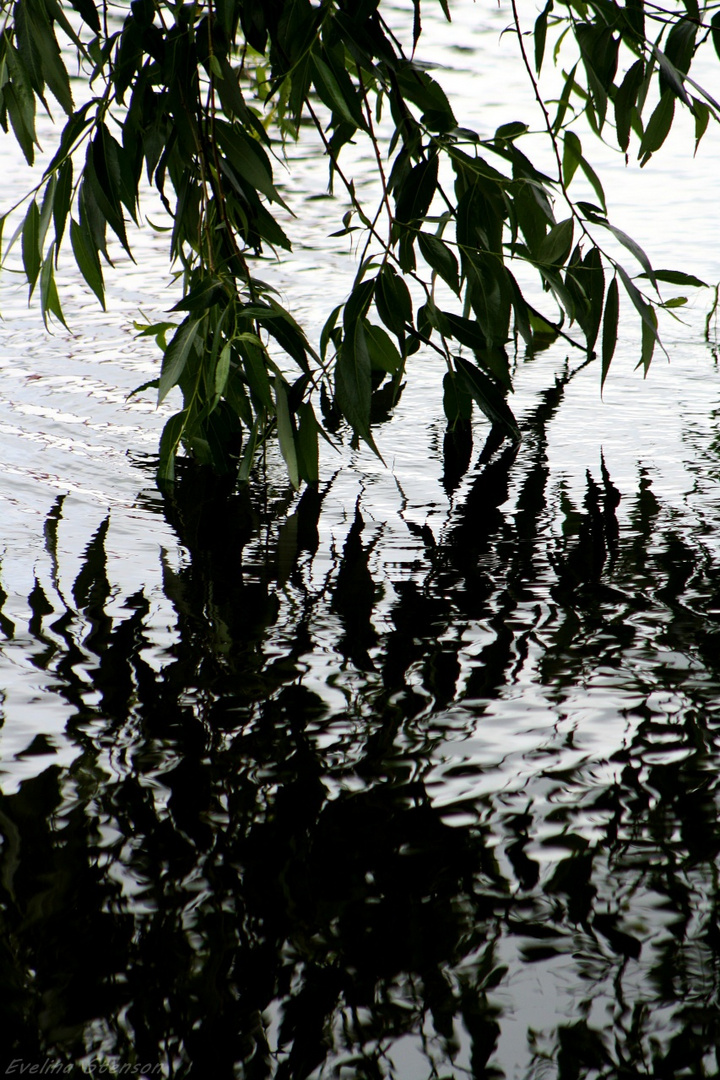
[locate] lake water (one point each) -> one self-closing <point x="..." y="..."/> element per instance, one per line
<point x="403" y="777"/>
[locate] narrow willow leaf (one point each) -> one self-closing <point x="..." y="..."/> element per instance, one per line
<point x="353" y="384"/>
<point x="556" y="246"/>
<point x="87" y="259"/>
<point x="702" y="117"/>
<point x="676" y="301"/>
<point x="53" y="69"/>
<point x="49" y="299"/>
<point x="169" y="442"/>
<point x="417" y="191"/>
<point x="658" y="126"/>
<point x="572" y="154"/>
<point x="176" y="356"/>
<point x="649" y="339"/>
<point x="564" y="100"/>
<point x="26" y="36"/>
<point x="625" y="102"/>
<point x="541" y="34"/>
<point x="488" y="397"/>
<point x="20" y="101"/>
<point x="610" y="329"/>
<point x="715" y="32"/>
<point x="328" y="88"/>
<point x="307" y="443"/>
<point x="632" y="246"/>
<point x="248" y="159"/>
<point x="441" y="258"/>
<point x="508" y="132"/>
<point x="31" y="244"/>
<point x="233" y="102"/>
<point x="286" y="437"/>
<point x="643" y="309"/>
<point x="222" y="370"/>
<point x="256" y="373"/>
<point x="393" y="302"/>
<point x="457" y="402"/>
<point x="62" y="200"/>
<point x="104" y="184"/>
<point x="677" y="277"/>
<point x="384" y="355"/>
<point x="594" y="182"/>
<point x="46" y="210"/>
<point x="88" y="11"/>
<point x="73" y="130"/>
<point x="594" y="284"/>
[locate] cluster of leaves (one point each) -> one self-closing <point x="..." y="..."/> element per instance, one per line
<point x="200" y="97"/>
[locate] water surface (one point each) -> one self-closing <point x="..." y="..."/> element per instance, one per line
<point x="414" y="775"/>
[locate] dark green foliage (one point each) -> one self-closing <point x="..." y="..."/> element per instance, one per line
<point x="199" y="99"/>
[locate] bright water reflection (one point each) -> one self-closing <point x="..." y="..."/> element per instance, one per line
<point x="415" y="775"/>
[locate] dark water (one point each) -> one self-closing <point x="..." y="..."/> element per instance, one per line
<point x="423" y="870"/>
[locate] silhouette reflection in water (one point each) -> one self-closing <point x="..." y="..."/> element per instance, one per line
<point x="248" y="872"/>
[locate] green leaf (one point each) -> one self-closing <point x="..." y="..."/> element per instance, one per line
<point x="104" y="181"/>
<point x="49" y="299"/>
<point x="346" y="105"/>
<point x="328" y="328"/>
<point x="541" y="34"/>
<point x="353" y="384"/>
<point x="556" y="246"/>
<point x="715" y="32"/>
<point x="626" y="100"/>
<point x="564" y="101"/>
<point x="457" y="402"/>
<point x="648" y="316"/>
<point x="417" y="191"/>
<point x="658" y="126"/>
<point x="572" y="154"/>
<point x="19" y="100"/>
<point x="677" y="277"/>
<point x="594" y="285"/>
<point x="610" y="329"/>
<point x="594" y="180"/>
<point x="702" y="118"/>
<point x="256" y="373"/>
<point x="393" y="302"/>
<point x="248" y="159"/>
<point x="382" y="351"/>
<point x="176" y="356"/>
<point x="88" y="11"/>
<point x="508" y="132"/>
<point x="422" y="90"/>
<point x="441" y="258"/>
<point x="53" y="68"/>
<point x="31" y="244"/>
<point x="627" y="241"/>
<point x="87" y="259"/>
<point x="285" y="432"/>
<point x="222" y="369"/>
<point x="169" y="441"/>
<point x="488" y="397"/>
<point x="62" y="200"/>
<point x="74" y="128"/>
<point x="307" y="443"/>
<point x="649" y="339"/>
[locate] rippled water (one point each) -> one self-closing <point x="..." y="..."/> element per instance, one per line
<point x="413" y="775"/>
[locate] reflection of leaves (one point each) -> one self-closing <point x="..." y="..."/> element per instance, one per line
<point x="354" y="596"/>
<point x="581" y="1048"/>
